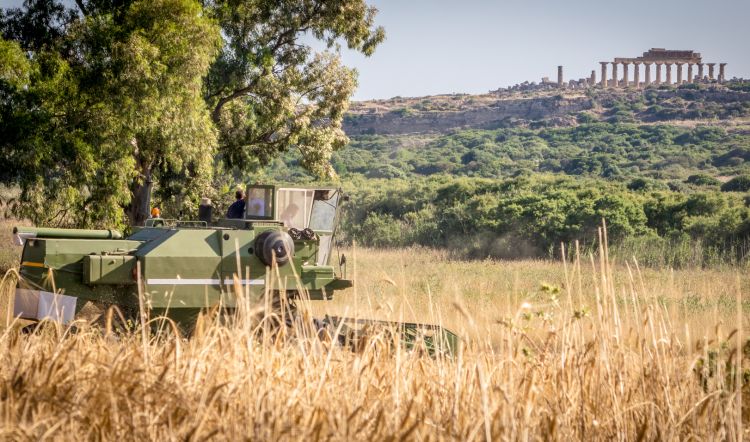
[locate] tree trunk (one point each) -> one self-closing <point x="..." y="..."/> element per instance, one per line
<point x="140" y="203"/>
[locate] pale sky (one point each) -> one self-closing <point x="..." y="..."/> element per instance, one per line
<point x="473" y="46"/>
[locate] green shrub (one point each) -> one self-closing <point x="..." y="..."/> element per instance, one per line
<point x="585" y="118"/>
<point x="737" y="184"/>
<point x="702" y="180"/>
<point x="380" y="230"/>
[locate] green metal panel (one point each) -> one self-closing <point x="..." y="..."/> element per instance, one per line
<point x="251" y="274"/>
<point x="305" y="252"/>
<point x="316" y="277"/>
<point x="245" y="224"/>
<point x="109" y="269"/>
<point x="59" y="263"/>
<point x="147" y="233"/>
<point x="182" y="268"/>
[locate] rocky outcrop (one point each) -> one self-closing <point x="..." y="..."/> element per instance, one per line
<point x="444" y="113"/>
<point x="407" y="120"/>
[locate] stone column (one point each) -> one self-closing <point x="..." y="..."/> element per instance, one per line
<point x="637" y="74"/>
<point x="711" y="70"/>
<point x="614" y="74"/>
<point x="700" y="72"/>
<point x="722" y="73"/>
<point x="625" y="80"/>
<point x="690" y="78"/>
<point x="679" y="73"/>
<point x="668" y="67"/>
<point x="648" y="73"/>
<point x="658" y="73"/>
<point x="592" y="78"/>
<point x="560" y="77"/>
<point x="604" y="73"/>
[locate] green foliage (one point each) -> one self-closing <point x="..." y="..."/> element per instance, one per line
<point x="702" y="180"/>
<point x="15" y="69"/>
<point x="270" y="92"/>
<point x="530" y="216"/>
<point x="98" y="101"/>
<point x="743" y="86"/>
<point x="645" y="184"/>
<point x="654" y="184"/>
<point x="608" y="150"/>
<point x="737" y="184"/>
<point x="86" y="131"/>
<point x="379" y="230"/>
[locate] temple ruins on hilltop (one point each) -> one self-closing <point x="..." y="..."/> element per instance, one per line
<point x="665" y="63"/>
<point x="662" y="59"/>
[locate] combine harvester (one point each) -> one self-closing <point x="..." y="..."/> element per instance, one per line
<point x="281" y="250"/>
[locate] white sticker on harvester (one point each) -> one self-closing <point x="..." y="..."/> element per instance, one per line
<point x="38" y="304"/>
<point x="194" y="281"/>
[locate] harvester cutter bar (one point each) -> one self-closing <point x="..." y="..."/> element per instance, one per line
<point x="435" y="339"/>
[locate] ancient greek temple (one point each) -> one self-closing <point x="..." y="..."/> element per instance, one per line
<point x="657" y="66"/>
<point x="669" y="67"/>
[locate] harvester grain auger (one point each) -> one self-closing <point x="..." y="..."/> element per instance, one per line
<point x="177" y="269"/>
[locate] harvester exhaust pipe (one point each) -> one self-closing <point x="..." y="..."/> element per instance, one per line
<point x="204" y="211"/>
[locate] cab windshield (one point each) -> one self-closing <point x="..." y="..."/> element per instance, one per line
<point x="258" y="202"/>
<point x="310" y="208"/>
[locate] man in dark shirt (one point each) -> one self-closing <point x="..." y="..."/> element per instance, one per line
<point x="237" y="209"/>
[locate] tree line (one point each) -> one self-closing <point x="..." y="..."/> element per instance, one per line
<point x="534" y="215"/>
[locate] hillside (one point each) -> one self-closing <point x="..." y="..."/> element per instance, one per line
<point x="441" y="113"/>
<point x="664" y="133"/>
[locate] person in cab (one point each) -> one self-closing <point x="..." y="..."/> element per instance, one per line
<point x="237" y="209"/>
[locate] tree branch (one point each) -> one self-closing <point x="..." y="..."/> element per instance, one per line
<point x="216" y="114"/>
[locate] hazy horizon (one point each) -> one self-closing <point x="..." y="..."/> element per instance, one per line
<point x="442" y="47"/>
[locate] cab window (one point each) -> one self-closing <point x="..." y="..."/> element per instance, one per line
<point x="293" y="207"/>
<point x="258" y="202"/>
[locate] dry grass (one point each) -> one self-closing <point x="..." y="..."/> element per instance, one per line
<point x="600" y="351"/>
<point x="9" y="254"/>
<point x="401" y="283"/>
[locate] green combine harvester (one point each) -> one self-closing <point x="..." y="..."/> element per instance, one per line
<point x="283" y="245"/>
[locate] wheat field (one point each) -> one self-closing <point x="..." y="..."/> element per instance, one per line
<point x="585" y="349"/>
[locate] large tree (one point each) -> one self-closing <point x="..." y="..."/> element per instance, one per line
<point x="112" y="95"/>
<point x="110" y="105"/>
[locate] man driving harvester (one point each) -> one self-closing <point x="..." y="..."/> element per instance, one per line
<point x="237" y="209"/>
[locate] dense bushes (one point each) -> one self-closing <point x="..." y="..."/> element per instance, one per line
<point x="596" y="149"/>
<point x="529" y="216"/>
<point x="737" y="184"/>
